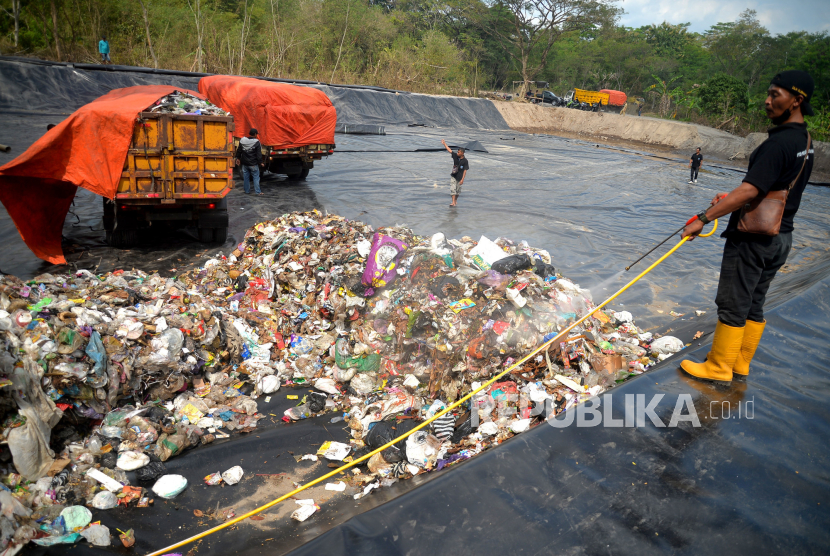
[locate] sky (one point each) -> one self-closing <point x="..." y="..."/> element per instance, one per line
<point x="775" y="15"/>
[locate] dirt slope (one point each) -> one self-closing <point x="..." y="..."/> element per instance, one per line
<point x="678" y="136"/>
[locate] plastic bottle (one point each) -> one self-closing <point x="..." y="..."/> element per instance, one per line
<point x="297" y="413"/>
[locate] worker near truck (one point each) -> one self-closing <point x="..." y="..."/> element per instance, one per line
<point x="755" y="246"/>
<point x="249" y="156"/>
<point x="695" y="164"/>
<point x="460" y="165"/>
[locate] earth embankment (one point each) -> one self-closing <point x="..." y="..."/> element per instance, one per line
<point x="652" y="132"/>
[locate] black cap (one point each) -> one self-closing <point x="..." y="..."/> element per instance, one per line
<point x="253" y="132"/>
<point x="798" y="83"/>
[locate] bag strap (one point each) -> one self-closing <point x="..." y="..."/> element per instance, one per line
<point x="803" y="164"/>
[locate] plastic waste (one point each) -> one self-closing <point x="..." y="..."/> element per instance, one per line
<point x="76" y="517"/>
<point x="130" y="460"/>
<point x="151" y="471"/>
<point x="104" y="500"/>
<point x="667" y="345"/>
<point x="170" y="486"/>
<point x="97" y="535"/>
<point x="305" y="510"/>
<point x="512" y="264"/>
<point x="232" y="475"/>
<point x="381" y="263"/>
<point x="485" y="253"/>
<point x="268" y="384"/>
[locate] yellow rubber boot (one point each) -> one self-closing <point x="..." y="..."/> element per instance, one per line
<point x="726" y="347"/>
<point x="752" y="336"/>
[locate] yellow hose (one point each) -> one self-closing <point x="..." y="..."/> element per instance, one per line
<point x="428" y="421"/>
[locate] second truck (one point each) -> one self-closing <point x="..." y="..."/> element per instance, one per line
<point x="296" y="124"/>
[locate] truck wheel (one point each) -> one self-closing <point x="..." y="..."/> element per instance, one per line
<point x="109" y="214"/>
<point x="220" y="235"/>
<point x="122" y="238"/>
<point x="206" y="235"/>
<point x="301" y="175"/>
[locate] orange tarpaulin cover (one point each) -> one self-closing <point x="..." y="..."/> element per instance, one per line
<point x="615" y="98"/>
<point x="284" y="115"/>
<point x="86" y="150"/>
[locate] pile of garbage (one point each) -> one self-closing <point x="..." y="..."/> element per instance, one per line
<point x="104" y="375"/>
<point x="184" y="103"/>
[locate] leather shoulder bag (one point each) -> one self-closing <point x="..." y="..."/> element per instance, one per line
<point x="764" y="213"/>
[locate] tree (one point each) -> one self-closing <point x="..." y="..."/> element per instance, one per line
<point x="667" y="39"/>
<point x="662" y="88"/>
<point x="742" y="48"/>
<point x="147" y="31"/>
<point x="15" y="15"/>
<point x="722" y="93"/>
<point x="54" y="11"/>
<point x="535" y="25"/>
<point x="196" y="8"/>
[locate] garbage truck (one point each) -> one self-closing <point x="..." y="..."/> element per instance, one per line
<point x="295" y="124"/>
<point x="178" y="170"/>
<point x="606" y="100"/>
<point x="156" y="154"/>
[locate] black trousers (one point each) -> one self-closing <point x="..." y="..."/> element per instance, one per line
<point x="748" y="267"/>
<point x="694" y="172"/>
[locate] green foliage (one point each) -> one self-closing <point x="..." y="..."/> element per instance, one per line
<point x="667" y="39"/>
<point x="819" y="125"/>
<point x="723" y="94"/>
<point x="441" y="46"/>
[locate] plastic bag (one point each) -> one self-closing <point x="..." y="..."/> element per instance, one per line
<point x="316" y="402"/>
<point x="363" y="363"/>
<point x="97" y="535"/>
<point x="384" y="432"/>
<point x="232" y="475"/>
<point x="422" y="449"/>
<point x="667" y="345"/>
<point x="130" y="460"/>
<point x="268" y="384"/>
<point x="540" y="268"/>
<point x="306" y="509"/>
<point x="495" y="280"/>
<point x="104" y="500"/>
<point x="486" y="253"/>
<point x="512" y="264"/>
<point x="381" y="265"/>
<point x="69" y="340"/>
<point x="326" y="385"/>
<point x="76" y="517"/>
<point x="363" y="383"/>
<point x="95" y="351"/>
<point x="151" y="471"/>
<point x="169" y="486"/>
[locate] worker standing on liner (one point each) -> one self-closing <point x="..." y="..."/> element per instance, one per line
<point x="756" y="247"/>
<point x="460" y="165"/>
<point x="695" y="163"/>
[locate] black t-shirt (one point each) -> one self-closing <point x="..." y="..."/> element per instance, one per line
<point x="696" y="159"/>
<point x="773" y="165"/>
<point x="462" y="164"/>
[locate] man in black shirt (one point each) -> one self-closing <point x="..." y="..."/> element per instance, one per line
<point x="460" y="165"/>
<point x="750" y="261"/>
<point x="695" y="163"/>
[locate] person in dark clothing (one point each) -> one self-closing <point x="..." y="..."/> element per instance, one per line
<point x="695" y="163"/>
<point x="460" y="165"/>
<point x="751" y="260"/>
<point x="249" y="156"/>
